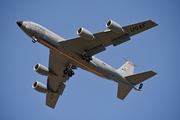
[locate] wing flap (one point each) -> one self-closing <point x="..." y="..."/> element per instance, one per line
<point x="51" y="97"/>
<point x="106" y="37"/>
<point x="123" y="91"/>
<point x="138" y="78"/>
<point x="96" y="50"/>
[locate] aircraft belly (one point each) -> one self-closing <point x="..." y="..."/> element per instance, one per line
<point x="108" y="72"/>
<point x="52" y="40"/>
<point x="95" y="66"/>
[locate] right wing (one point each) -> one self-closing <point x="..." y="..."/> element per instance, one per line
<point x="55" y="85"/>
<point x="106" y="38"/>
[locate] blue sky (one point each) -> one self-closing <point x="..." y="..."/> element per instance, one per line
<point x="88" y="96"/>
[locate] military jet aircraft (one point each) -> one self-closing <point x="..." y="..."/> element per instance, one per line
<point x="67" y="55"/>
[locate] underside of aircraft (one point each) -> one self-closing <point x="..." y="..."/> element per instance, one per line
<point x="67" y="55"/>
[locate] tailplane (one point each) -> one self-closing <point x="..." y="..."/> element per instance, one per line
<point x="126" y="69"/>
<point x="140" y="77"/>
<point x="123" y="91"/>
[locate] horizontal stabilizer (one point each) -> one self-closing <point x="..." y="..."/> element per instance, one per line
<point x="138" y="78"/>
<point x="123" y="91"/>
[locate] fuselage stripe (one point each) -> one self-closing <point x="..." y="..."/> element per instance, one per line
<point x="56" y="49"/>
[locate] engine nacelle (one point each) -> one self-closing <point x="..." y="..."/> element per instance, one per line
<point x="115" y="27"/>
<point x="82" y="32"/>
<point x="41" y="69"/>
<point x="39" y="87"/>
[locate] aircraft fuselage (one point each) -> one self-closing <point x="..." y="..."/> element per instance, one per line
<point x="53" y="41"/>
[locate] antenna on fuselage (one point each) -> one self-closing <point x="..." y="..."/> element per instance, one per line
<point x="129" y="61"/>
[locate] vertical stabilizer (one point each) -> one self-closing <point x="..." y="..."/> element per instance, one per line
<point x="126" y="69"/>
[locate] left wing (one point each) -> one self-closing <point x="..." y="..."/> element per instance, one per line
<point x="55" y="83"/>
<point x="106" y="38"/>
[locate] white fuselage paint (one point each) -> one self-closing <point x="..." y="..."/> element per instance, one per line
<point x="53" y="41"/>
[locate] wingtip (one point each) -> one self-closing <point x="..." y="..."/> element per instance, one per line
<point x="154" y="73"/>
<point x="154" y="23"/>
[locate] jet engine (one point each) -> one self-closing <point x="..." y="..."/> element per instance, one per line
<point x="82" y="32"/>
<point x="41" y="69"/>
<point x="39" y="87"/>
<point x="115" y="27"/>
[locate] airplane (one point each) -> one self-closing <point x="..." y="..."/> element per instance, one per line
<point x="67" y="55"/>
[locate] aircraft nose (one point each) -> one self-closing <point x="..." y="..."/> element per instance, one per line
<point x="19" y="23"/>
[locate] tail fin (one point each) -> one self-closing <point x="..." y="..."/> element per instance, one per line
<point x="138" y="78"/>
<point x="126" y="69"/>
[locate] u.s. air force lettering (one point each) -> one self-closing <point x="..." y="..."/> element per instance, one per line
<point x="138" y="27"/>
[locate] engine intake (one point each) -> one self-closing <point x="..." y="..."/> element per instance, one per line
<point x="41" y="69"/>
<point x="82" y="32"/>
<point x="39" y="87"/>
<point x="115" y="27"/>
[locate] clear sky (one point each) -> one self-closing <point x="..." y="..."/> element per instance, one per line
<point x="89" y="97"/>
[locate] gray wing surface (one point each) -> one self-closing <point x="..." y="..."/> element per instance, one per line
<point x="80" y="45"/>
<point x="106" y="38"/>
<point x="123" y="91"/>
<point x="55" y="82"/>
<point x="139" y="27"/>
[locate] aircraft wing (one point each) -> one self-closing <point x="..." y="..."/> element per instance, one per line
<point x="106" y="38"/>
<point x="55" y="83"/>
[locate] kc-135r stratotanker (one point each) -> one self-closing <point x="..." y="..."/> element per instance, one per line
<point x="67" y="55"/>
